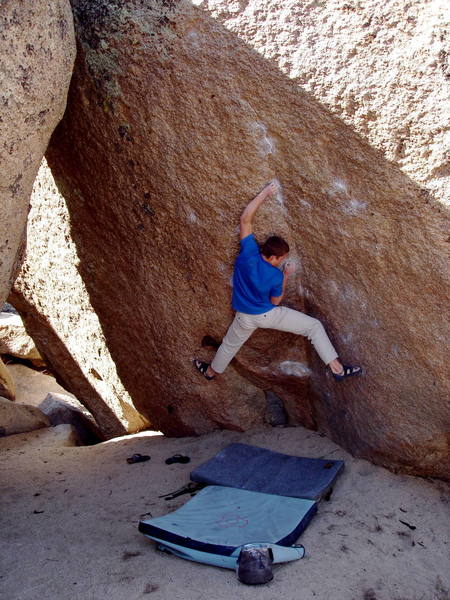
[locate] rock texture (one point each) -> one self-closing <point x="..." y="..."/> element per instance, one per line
<point x="20" y="418"/>
<point x="383" y="67"/>
<point x="177" y="116"/>
<point x="68" y="333"/>
<point x="7" y="385"/>
<point x="36" y="59"/>
<point x="15" y="341"/>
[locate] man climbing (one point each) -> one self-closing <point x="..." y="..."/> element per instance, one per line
<point x="258" y="288"/>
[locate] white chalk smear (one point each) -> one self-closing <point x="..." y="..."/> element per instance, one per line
<point x="295" y="369"/>
<point x="266" y="143"/>
<point x="346" y="337"/>
<point x="354" y="207"/>
<point x="225" y="270"/>
<point x="292" y="260"/>
<point x="339" y="185"/>
<point x="395" y="350"/>
<point x="308" y="294"/>
<point x="344" y="233"/>
<point x="280" y="195"/>
<point x="193" y="37"/>
<point x="333" y="287"/>
<point x="349" y="293"/>
<point x="305" y="203"/>
<point x="192" y="217"/>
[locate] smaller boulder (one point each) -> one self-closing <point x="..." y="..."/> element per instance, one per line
<point x="9" y="308"/>
<point x="15" y="341"/>
<point x="20" y="418"/>
<point x="61" y="409"/>
<point x="45" y="438"/>
<point x="33" y="386"/>
<point x="7" y="386"/>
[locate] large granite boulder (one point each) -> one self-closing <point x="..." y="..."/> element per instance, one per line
<point x="36" y="59"/>
<point x="176" y="117"/>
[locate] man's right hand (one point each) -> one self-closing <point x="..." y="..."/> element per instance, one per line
<point x="289" y="268"/>
<point x="271" y="187"/>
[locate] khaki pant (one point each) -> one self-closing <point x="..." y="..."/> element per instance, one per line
<point x="280" y="318"/>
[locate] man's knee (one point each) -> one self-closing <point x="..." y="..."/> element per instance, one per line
<point x="231" y="342"/>
<point x="315" y="327"/>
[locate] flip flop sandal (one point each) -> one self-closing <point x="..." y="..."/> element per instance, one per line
<point x="178" y="458"/>
<point x="348" y="371"/>
<point x="202" y="367"/>
<point x="136" y="458"/>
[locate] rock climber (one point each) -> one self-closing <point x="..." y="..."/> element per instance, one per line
<point x="258" y="288"/>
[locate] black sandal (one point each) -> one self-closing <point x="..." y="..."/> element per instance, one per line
<point x="137" y="458"/>
<point x="348" y="371"/>
<point x="178" y="458"/>
<point x="202" y="367"/>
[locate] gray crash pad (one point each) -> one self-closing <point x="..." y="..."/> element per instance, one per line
<point x="213" y="526"/>
<point x="261" y="470"/>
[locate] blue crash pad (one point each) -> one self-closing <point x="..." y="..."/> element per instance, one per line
<point x="213" y="526"/>
<point x="261" y="470"/>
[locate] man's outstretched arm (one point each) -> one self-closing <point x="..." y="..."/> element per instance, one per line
<point x="246" y="223"/>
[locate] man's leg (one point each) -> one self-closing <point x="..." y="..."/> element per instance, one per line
<point x="238" y="333"/>
<point x="294" y="321"/>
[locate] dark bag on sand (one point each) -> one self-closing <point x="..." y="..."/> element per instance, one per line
<point x="254" y="565"/>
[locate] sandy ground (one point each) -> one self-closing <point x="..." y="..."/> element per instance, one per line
<point x="69" y="526"/>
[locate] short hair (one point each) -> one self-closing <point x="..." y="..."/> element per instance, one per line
<point x="274" y="246"/>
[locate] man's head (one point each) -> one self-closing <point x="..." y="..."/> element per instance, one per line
<point x="275" y="250"/>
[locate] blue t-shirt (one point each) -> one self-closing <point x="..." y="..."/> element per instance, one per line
<point x="254" y="280"/>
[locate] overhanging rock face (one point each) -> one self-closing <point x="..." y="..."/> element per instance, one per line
<point x="58" y="309"/>
<point x="174" y="122"/>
